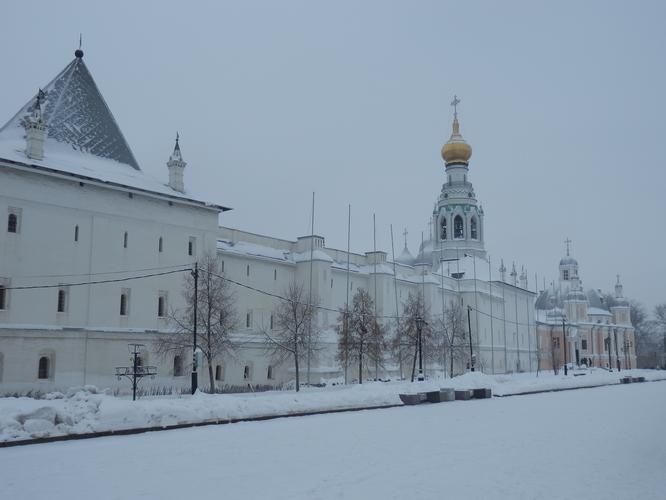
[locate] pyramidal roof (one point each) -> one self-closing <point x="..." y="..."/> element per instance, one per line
<point x="77" y="115"/>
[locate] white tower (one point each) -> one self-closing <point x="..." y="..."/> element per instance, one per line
<point x="457" y="217"/>
<point x="176" y="167"/>
<point x="35" y="130"/>
<point x="568" y="269"/>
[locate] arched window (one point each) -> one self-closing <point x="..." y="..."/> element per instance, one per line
<point x="218" y="372"/>
<point x="125" y="240"/>
<point x="443" y="229"/>
<point x="43" y="369"/>
<point x="269" y="374"/>
<point x="246" y="372"/>
<point x="76" y="233"/>
<point x="12" y="223"/>
<point x="247" y="270"/>
<point x="458" y="227"/>
<point x="177" y="366"/>
<point x="474" y="234"/>
<point x="160" y="245"/>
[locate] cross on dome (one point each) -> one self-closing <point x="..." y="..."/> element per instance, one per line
<point x="455" y="103"/>
<point x="567" y="242"/>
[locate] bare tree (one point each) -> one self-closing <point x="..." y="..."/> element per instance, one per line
<point x="288" y="339"/>
<point x="452" y="330"/>
<point x="344" y="337"/>
<point x="360" y="342"/>
<point x="216" y="317"/>
<point x="405" y="342"/>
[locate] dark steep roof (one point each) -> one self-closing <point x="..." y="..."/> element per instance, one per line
<point x="76" y="114"/>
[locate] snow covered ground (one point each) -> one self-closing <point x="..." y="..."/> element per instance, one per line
<point x="600" y="443"/>
<point x="89" y="410"/>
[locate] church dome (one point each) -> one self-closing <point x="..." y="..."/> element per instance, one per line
<point x="568" y="261"/>
<point x="456" y="150"/>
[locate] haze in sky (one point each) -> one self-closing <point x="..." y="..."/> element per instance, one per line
<point x="562" y="103"/>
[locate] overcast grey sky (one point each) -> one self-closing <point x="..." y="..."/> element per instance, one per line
<point x="563" y="104"/>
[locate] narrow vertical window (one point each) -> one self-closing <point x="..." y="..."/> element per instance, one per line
<point x="246" y="373"/>
<point x="177" y="366"/>
<point x="161" y="306"/>
<point x="274" y="274"/>
<point x="473" y="229"/>
<point x="125" y="240"/>
<point x="62" y="300"/>
<point x="271" y="322"/>
<point x="247" y="270"/>
<point x="458" y="227"/>
<point x="43" y="368"/>
<point x="218" y="372"/>
<point x="123" y="304"/>
<point x="160" y="245"/>
<point x="191" y="246"/>
<point x="76" y="233"/>
<point x="248" y="319"/>
<point x="222" y="266"/>
<point x="3" y="297"/>
<point x="269" y="374"/>
<point x="443" y="228"/>
<point x="12" y="223"/>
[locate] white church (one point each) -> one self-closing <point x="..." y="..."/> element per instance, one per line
<point x="93" y="253"/>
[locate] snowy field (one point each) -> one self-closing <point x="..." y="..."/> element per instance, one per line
<point x="85" y="410"/>
<point x="600" y="443"/>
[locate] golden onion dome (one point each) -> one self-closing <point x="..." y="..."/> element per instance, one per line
<point x="456" y="150"/>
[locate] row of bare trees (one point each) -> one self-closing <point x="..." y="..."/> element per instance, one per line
<point x="365" y="342"/>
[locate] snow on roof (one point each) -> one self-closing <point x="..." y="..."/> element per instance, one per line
<point x="595" y="311"/>
<point x="76" y="114"/>
<point x="252" y="249"/>
<point x="82" y="137"/>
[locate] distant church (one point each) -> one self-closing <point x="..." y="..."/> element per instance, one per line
<point x="83" y="221"/>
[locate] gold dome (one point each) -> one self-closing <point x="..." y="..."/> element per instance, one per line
<point x="456" y="150"/>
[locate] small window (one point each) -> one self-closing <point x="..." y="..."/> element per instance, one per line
<point x="3" y="297"/>
<point x="43" y="369"/>
<point x="190" y="246"/>
<point x="269" y="373"/>
<point x="246" y="373"/>
<point x="221" y="266"/>
<point x="248" y="319"/>
<point x="247" y="270"/>
<point x="331" y="282"/>
<point x="76" y="233"/>
<point x="219" y="373"/>
<point x="443" y="229"/>
<point x="12" y="223"/>
<point x="583" y="344"/>
<point x="274" y="274"/>
<point x="271" y="321"/>
<point x="124" y="303"/>
<point x="62" y="300"/>
<point x="178" y="366"/>
<point x="125" y="237"/>
<point x="458" y="227"/>
<point x="473" y="229"/>
<point x="565" y="275"/>
<point x="161" y="305"/>
<point x="160" y="245"/>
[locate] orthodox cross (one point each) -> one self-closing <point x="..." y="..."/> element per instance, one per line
<point x="567" y="242"/>
<point x="618" y="278"/>
<point x="455" y="103"/>
<point x="80" y="40"/>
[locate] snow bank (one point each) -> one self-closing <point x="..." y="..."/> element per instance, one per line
<point x="87" y="409"/>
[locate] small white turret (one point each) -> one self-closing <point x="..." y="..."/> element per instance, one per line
<point x="523" y="278"/>
<point x="502" y="271"/>
<point x="35" y="131"/>
<point x="514" y="275"/>
<point x="176" y="167"/>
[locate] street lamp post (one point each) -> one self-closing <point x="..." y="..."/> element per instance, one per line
<point x="617" y="354"/>
<point x="610" y="349"/>
<point x="419" y="337"/>
<point x="195" y="381"/>
<point x="471" y="351"/>
<point x="564" y="345"/>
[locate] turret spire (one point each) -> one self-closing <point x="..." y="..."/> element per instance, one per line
<point x="176" y="167"/>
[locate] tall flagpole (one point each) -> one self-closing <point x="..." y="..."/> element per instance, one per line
<point x="310" y="290"/>
<point x="492" y="336"/>
<point x="346" y="325"/>
<point x="397" y="311"/>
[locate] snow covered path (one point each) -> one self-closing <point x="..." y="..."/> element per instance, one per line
<point x="595" y="443"/>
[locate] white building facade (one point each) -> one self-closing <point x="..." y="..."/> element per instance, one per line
<point x="94" y="253"/>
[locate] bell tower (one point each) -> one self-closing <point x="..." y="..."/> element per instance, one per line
<point x="457" y="217"/>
